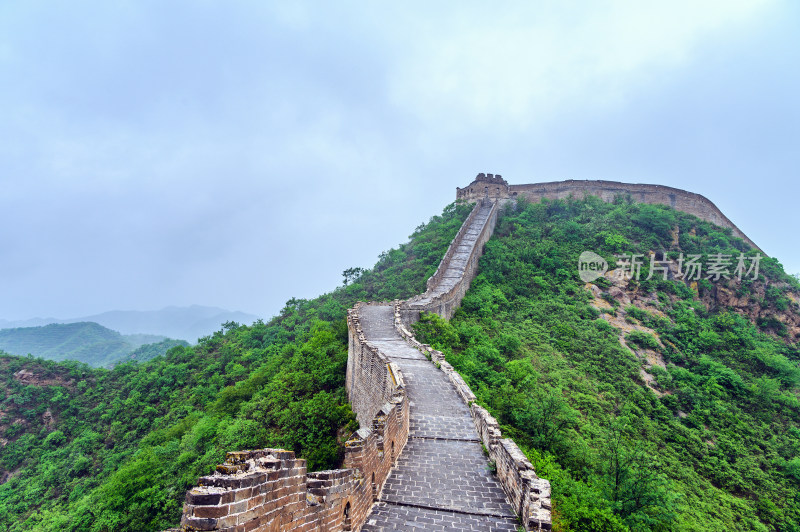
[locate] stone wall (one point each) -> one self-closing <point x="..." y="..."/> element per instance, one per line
<point x="371" y="378"/>
<point x="270" y="490"/>
<point x="688" y="202"/>
<point x="445" y="304"/>
<point x="528" y="494"/>
<point x="438" y="275"/>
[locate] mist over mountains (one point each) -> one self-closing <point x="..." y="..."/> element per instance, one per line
<point x="86" y="342"/>
<point x="182" y="323"/>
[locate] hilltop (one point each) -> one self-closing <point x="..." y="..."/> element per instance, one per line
<point x="668" y="403"/>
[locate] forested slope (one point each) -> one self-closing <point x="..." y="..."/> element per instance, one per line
<point x="650" y="405"/>
<point x="86" y="342"/>
<point x="87" y="449"/>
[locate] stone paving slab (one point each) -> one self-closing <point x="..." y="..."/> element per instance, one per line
<point x="387" y="516"/>
<point x="448" y="475"/>
<point x="397" y="348"/>
<point x="442" y="479"/>
<point x="443" y="427"/>
<point x="377" y="321"/>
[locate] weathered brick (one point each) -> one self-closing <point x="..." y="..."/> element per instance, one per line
<point x="199" y="523"/>
<point x="201" y="498"/>
<point x="211" y="511"/>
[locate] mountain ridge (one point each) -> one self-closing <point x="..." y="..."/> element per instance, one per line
<point x="87" y="342"/>
<point x="182" y="323"/>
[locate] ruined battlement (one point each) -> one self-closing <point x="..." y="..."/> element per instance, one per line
<point x="271" y="490"/>
<point x="497" y="188"/>
<point x="485" y="185"/>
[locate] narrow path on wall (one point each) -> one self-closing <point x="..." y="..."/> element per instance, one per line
<point x="442" y="479"/>
<point x="458" y="262"/>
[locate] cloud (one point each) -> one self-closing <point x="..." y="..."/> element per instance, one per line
<point x="240" y="154"/>
<point x="525" y="64"/>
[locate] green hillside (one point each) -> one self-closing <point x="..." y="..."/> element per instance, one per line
<point x="152" y="350"/>
<point x="86" y="342"/>
<point x="650" y="405"/>
<point x="103" y="450"/>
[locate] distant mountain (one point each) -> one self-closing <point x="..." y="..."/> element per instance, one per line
<point x="83" y="341"/>
<point x="33" y="322"/>
<point x="152" y="350"/>
<point x="184" y="323"/>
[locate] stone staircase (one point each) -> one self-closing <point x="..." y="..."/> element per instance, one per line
<point x="454" y="266"/>
<point x="442" y="480"/>
<point x="426" y="456"/>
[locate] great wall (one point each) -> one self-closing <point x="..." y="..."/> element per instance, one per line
<point x="497" y="188"/>
<point x="427" y="456"/>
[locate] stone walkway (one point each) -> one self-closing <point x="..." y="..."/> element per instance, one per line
<point x="458" y="261"/>
<point x="442" y="479"/>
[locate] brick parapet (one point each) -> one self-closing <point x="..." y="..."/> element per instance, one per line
<point x="372" y="379"/>
<point x="445" y="304"/>
<point x="528" y="494"/>
<point x="270" y="489"/>
<point x="437" y="276"/>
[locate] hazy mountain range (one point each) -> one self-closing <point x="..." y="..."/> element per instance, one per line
<point x="86" y="342"/>
<point x="183" y="323"/>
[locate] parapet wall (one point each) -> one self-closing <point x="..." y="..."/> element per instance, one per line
<point x="372" y="379"/>
<point x="528" y="494"/>
<point x="270" y="489"/>
<point x="689" y="202"/>
<point x="445" y="304"/>
<point x="438" y="275"/>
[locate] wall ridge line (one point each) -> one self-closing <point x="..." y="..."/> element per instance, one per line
<point x="270" y="489"/>
<point x="698" y="205"/>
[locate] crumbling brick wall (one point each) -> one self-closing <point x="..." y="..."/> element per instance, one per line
<point x="371" y="378"/>
<point x="269" y="490"/>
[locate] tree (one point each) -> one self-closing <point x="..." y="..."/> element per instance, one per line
<point x="639" y="494"/>
<point x="352" y="274"/>
<point x="545" y="418"/>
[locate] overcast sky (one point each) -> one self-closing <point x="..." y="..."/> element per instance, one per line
<point x="238" y="154"/>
